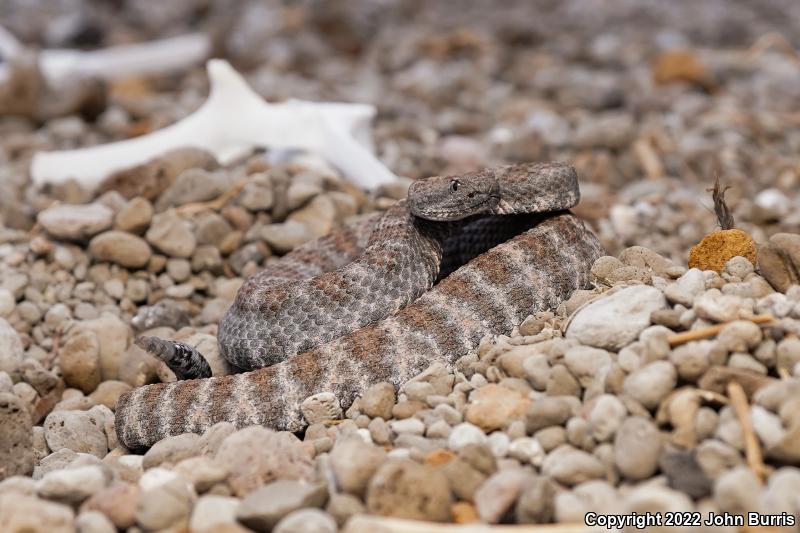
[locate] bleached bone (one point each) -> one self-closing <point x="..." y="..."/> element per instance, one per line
<point x="155" y="57"/>
<point x="231" y="123"/>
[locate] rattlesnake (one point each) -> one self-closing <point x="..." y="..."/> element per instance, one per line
<point x="341" y="330"/>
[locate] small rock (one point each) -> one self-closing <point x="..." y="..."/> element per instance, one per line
<point x="779" y="260"/>
<point x="257" y="455"/>
<point x="497" y="495"/>
<point x="405" y="489"/>
<point x="493" y="406"/>
<point x="321" y="407"/>
<point x="164" y="505"/>
<point x="378" y="401"/>
<point x="135" y="217"/>
<point x="637" y="447"/>
<point x="342" y="506"/>
<point x="16" y="438"/>
<point x="737" y="491"/>
<point x="121" y="248"/>
<point x="171" y="450"/>
<point x="23" y="513"/>
<point x="464" y="434"/>
<point x="354" y="462"/>
<point x="212" y="511"/>
<point x="94" y="522"/>
<point x="651" y="383"/>
<point x="614" y="321"/>
<point x="547" y="411"/>
<point x="306" y="521"/>
<point x="684" y="474"/>
<point x="80" y="361"/>
<point x="75" y="222"/>
<point x="536" y="503"/>
<point x="80" y="431"/>
<point x="171" y="235"/>
<point x="718" y="307"/>
<point x="606" y="415"/>
<point x="527" y="450"/>
<point x="11" y="351"/>
<point x="118" y="502"/>
<point x="72" y="485"/>
<point x="286" y="236"/>
<point x="571" y="466"/>
<point x="264" y="507"/>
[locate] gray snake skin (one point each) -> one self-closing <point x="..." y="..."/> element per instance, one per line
<point x="344" y="329"/>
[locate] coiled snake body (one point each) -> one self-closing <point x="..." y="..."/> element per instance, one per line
<point x="357" y="307"/>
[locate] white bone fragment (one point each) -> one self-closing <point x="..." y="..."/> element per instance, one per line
<point x="230" y="124"/>
<point x="155" y="57"/>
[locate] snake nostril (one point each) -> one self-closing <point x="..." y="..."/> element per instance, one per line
<point x="470" y="195"/>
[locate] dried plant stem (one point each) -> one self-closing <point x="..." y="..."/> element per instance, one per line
<point x="704" y="333"/>
<point x="752" y="448"/>
<point x="216" y="204"/>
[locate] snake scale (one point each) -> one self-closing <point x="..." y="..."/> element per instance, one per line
<point x="360" y="305"/>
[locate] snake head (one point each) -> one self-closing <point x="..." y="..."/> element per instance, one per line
<point x="445" y="198"/>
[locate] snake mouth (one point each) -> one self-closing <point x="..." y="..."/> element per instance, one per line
<point x="459" y="212"/>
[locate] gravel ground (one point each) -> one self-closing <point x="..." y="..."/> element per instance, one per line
<point x="663" y="388"/>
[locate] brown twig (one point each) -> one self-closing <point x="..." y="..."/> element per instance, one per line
<point x="217" y="203"/>
<point x="752" y="448"/>
<point x="704" y="333"/>
<point x="773" y="40"/>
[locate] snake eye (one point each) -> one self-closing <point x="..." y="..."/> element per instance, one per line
<point x="454" y="185"/>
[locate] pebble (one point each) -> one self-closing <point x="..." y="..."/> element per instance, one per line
<point x="493" y="406"/>
<point x="613" y="321"/>
<point x="405" y="489"/>
<point x="637" y="447"/>
<point x="80" y="431"/>
<point x="11" y="351"/>
<point x="16" y="440"/>
<point x="605" y="417"/>
<point x="353" y="463"/>
<point x="94" y="522"/>
<point x="652" y="383"/>
<point x="7" y="303"/>
<point x="165" y="505"/>
<point x="117" y="501"/>
<point x="20" y="512"/>
<point x="464" y="434"/>
<point x="497" y="495"/>
<point x="75" y="222"/>
<point x="171" y="235"/>
<point x="737" y="491"/>
<point x="779" y="260"/>
<point x="321" y="407"/>
<point x="286" y="236"/>
<point x="571" y="466"/>
<point x="171" y="450"/>
<point x="306" y="521"/>
<point x="80" y="361"/>
<point x="257" y="455"/>
<point x="135" y="217"/>
<point x="547" y="411"/>
<point x="266" y="506"/>
<point x="121" y="248"/>
<point x="72" y="485"/>
<point x="378" y="401"/>
<point x="527" y="450"/>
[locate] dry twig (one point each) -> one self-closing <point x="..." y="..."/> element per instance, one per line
<point x="752" y="448"/>
<point x="704" y="333"/>
<point x="216" y="204"/>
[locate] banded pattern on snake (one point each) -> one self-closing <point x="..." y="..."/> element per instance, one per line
<point x="356" y="325"/>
